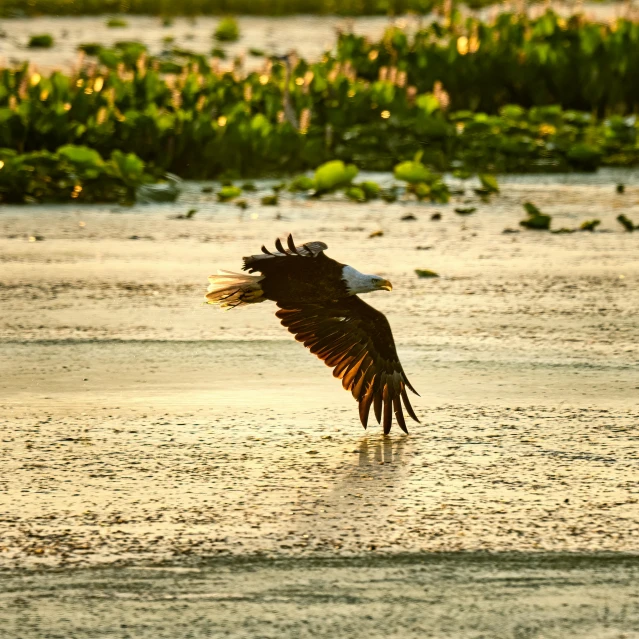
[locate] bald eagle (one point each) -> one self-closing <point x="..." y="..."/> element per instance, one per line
<point x="318" y="303"/>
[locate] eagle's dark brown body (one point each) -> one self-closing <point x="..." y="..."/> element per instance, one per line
<point x="301" y="280"/>
<point x="317" y="306"/>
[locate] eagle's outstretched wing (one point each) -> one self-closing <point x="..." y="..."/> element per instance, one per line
<point x="268" y="260"/>
<point x="356" y="340"/>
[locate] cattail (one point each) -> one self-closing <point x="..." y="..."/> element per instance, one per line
<point x="201" y="102"/>
<point x="248" y="93"/>
<point x="442" y="96"/>
<point x="281" y="117"/>
<point x="401" y="79"/>
<point x="140" y="65"/>
<point x="176" y="99"/>
<point x="383" y="74"/>
<point x="305" y="120"/>
<point x="101" y="116"/>
<point x="392" y="75"/>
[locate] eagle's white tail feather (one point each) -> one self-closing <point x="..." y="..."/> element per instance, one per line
<point x="228" y="289"/>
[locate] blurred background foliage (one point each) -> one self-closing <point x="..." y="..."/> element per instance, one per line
<point x="517" y="94"/>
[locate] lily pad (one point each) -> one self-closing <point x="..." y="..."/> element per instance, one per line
<point x="333" y="175"/>
<point x="227" y="193"/>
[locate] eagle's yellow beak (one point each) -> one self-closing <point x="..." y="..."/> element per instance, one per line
<point x="385" y="285"/>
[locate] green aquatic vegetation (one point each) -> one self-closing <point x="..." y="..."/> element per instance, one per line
<point x="216" y="52"/>
<point x="270" y="200"/>
<point x="90" y="48"/>
<point x="423" y="273"/>
<point x="536" y="220"/>
<point x="513" y="59"/>
<point x="301" y="183"/>
<point x="227" y="193"/>
<point x="589" y="225"/>
<point x="389" y="195"/>
<point x="422" y="182"/>
<point x="256" y="53"/>
<point x="116" y="23"/>
<point x="621" y="189"/>
<point x="42" y="41"/>
<point x="227" y="30"/>
<point x="172" y="108"/>
<point x="584" y="157"/>
<point x="531" y="209"/>
<point x="241" y="204"/>
<point x="413" y="172"/>
<point x="73" y="173"/>
<point x="356" y="194"/>
<point x="627" y="223"/>
<point x="467" y="210"/>
<point x="421" y="190"/>
<point x="371" y="189"/>
<point x="334" y="175"/>
<point x="249" y="187"/>
<point x="489" y="185"/>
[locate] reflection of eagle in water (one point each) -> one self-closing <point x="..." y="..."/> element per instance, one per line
<point x="318" y="302"/>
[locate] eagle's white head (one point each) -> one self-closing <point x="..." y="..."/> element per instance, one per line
<point x="357" y="282"/>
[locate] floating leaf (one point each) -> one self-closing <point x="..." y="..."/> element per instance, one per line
<point x="531" y="209"/>
<point x="333" y="175"/>
<point x="301" y="183"/>
<point x="227" y="30"/>
<point x="412" y="172"/>
<point x="489" y="183"/>
<point x="81" y="155"/>
<point x="589" y="225"/>
<point x="425" y="273"/>
<point x="227" y="193"/>
<point x="116" y="23"/>
<point x="355" y="193"/>
<point x="42" y="41"/>
<point x="627" y="223"/>
<point x="537" y="222"/>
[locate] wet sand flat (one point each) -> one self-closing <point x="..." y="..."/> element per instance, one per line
<point x="140" y="426"/>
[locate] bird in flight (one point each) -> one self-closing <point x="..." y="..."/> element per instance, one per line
<point x="318" y="302"/>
